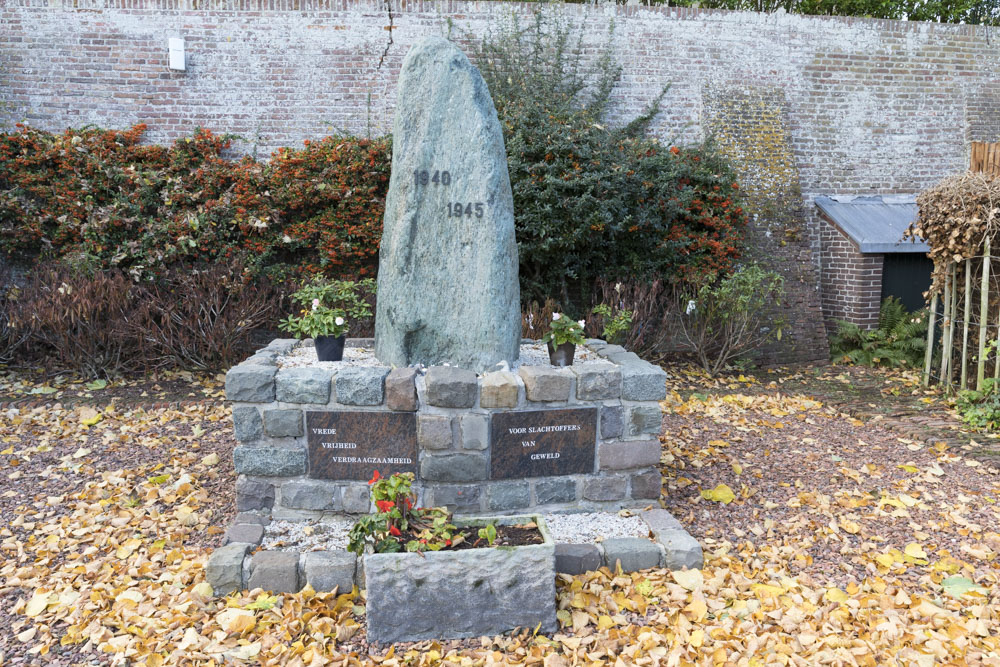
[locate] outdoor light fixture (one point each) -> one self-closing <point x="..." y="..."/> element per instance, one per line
<point x="176" y="46"/>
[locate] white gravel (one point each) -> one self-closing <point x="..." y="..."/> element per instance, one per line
<point x="327" y="535"/>
<point x="593" y="527"/>
<point x="532" y="354"/>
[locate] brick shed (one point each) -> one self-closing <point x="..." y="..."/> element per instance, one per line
<point x="863" y="258"/>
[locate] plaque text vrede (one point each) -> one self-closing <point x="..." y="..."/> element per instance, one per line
<point x="353" y="445"/>
<point x="538" y="443"/>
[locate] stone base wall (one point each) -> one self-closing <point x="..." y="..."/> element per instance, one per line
<point x="453" y="410"/>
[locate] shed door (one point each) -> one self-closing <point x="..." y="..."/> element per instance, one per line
<point x="907" y="276"/>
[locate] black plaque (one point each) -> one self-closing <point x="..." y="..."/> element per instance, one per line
<point x="539" y="443"/>
<point x="353" y="445"/>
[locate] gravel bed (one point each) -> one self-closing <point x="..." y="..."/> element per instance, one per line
<point x="532" y="354"/>
<point x="593" y="527"/>
<point x="327" y="535"/>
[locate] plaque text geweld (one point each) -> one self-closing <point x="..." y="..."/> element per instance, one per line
<point x="539" y="443"/>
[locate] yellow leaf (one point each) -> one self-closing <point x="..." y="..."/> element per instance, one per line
<point x="697" y="638"/>
<point x="37" y="604"/>
<point x="836" y="595"/>
<point x="720" y="493"/>
<point x="90" y="416"/>
<point x="246" y="652"/>
<point x="909" y="468"/>
<point x="689" y="579"/>
<point x="210" y="460"/>
<point x="26" y="636"/>
<point x="850" y="526"/>
<point x="885" y="560"/>
<point x="604" y="622"/>
<point x="909" y="501"/>
<point x="204" y="589"/>
<point x="697" y="610"/>
<point x="914" y="550"/>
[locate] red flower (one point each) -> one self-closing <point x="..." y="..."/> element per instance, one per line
<point x="374" y="478"/>
<point x="447" y="543"/>
<point x="394" y="531"/>
<point x="384" y="505"/>
<point x="408" y="503"/>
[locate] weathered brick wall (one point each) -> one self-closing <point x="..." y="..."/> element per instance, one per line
<point x="851" y="282"/>
<point x="805" y="105"/>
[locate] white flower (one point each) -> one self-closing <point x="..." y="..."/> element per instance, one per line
<point x="555" y="316"/>
<point x="339" y="321"/>
<point x="691" y="307"/>
<point x="315" y="304"/>
<point x="286" y="238"/>
<point x="581" y="323"/>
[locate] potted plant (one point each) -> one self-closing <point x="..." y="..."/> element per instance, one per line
<point x="429" y="575"/>
<point x="327" y="306"/>
<point x="562" y="338"/>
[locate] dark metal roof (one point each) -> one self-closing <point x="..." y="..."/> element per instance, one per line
<point x="875" y="224"/>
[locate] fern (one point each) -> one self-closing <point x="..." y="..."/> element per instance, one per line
<point x="899" y="340"/>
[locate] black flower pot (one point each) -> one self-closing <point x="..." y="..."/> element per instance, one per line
<point x="330" y="348"/>
<point x="562" y="355"/>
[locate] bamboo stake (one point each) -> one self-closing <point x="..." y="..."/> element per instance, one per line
<point x="929" y="350"/>
<point x="996" y="352"/>
<point x="984" y="306"/>
<point x="945" y="329"/>
<point x="967" y="313"/>
<point x="953" y="318"/>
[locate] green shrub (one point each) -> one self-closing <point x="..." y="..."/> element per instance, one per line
<point x="593" y="200"/>
<point x="899" y="340"/>
<point x="724" y="320"/>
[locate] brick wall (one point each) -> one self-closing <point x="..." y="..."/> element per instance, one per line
<point x="810" y="105"/>
<point x="851" y="282"/>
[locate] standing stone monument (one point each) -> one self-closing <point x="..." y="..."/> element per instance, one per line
<point x="447" y="283"/>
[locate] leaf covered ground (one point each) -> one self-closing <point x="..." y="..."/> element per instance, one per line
<point x="828" y="540"/>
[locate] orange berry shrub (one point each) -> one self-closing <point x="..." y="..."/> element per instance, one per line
<point x="103" y="195"/>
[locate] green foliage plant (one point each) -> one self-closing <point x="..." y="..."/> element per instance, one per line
<point x="398" y="525"/>
<point x="563" y="329"/>
<point x="980" y="409"/>
<point x="327" y="305"/>
<point x="728" y="318"/>
<point x="617" y="322"/>
<point x="595" y="199"/>
<point x="985" y="12"/>
<point x="899" y="340"/>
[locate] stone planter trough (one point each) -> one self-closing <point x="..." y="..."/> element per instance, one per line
<point x="467" y="593"/>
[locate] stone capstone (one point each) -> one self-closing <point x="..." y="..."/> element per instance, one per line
<point x="244" y="533"/>
<point x="303" y="385"/>
<point x="401" y="389"/>
<point x="269" y="461"/>
<point x="224" y="570"/>
<point x="329" y="570"/>
<point x="282" y="423"/>
<point x="282" y="346"/>
<point x="250" y="383"/>
<point x="448" y="273"/>
<point x="253" y="494"/>
<point x="680" y="548"/>
<point x="597" y="381"/>
<point x="634" y="553"/>
<point x="498" y="390"/>
<point x="247" y="424"/>
<point x="450" y="387"/>
<point x="455" y="594"/>
<point x="642" y="381"/>
<point x="577" y="558"/>
<point x="361" y="385"/>
<point x="542" y="383"/>
<point x="309" y="494"/>
<point x="275" y="571"/>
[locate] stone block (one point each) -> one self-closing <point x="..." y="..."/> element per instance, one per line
<point x="465" y="467"/>
<point x="451" y="387"/>
<point x="275" y="571"/>
<point x="247" y="424"/>
<point x="329" y="570"/>
<point x="597" y="381"/>
<point x="361" y="385"/>
<point x="263" y="357"/>
<point x="434" y="432"/>
<point x="412" y="597"/>
<point x="269" y="461"/>
<point x="282" y="346"/>
<point x="253" y="517"/>
<point x="628" y="454"/>
<point x="506" y="496"/>
<point x="602" y="489"/>
<point x="357" y="499"/>
<point x="244" y="533"/>
<point x="250" y="383"/>
<point x="253" y="494"/>
<point x="577" y="558"/>
<point x="555" y="490"/>
<point x="303" y="385"/>
<point x="612" y="421"/>
<point x="644" y="419"/>
<point x="647" y="485"/>
<point x="680" y="549"/>
<point x="311" y="494"/>
<point x="499" y="390"/>
<point x="224" y="570"/>
<point x="401" y="389"/>
<point x="456" y="498"/>
<point x="633" y="553"/>
<point x="475" y="431"/>
<point x="283" y="423"/>
<point x="542" y="383"/>
<point x="642" y="381"/>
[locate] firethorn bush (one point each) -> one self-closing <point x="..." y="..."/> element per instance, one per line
<point x="103" y="195"/>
